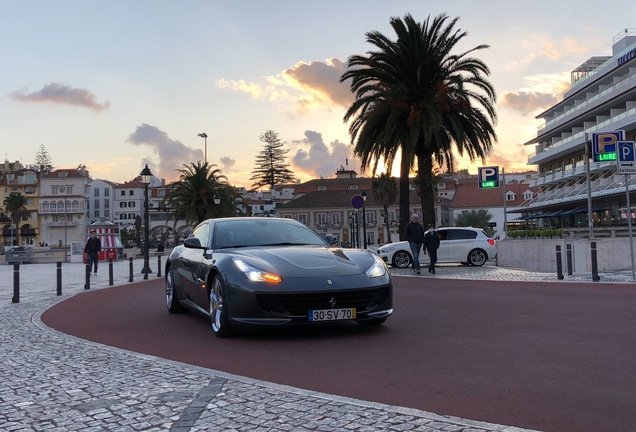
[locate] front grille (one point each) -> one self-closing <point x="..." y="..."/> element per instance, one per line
<point x="297" y="304"/>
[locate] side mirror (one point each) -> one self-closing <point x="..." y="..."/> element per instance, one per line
<point x="193" y="243"/>
<point x="331" y="239"/>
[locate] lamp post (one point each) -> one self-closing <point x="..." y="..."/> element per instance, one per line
<point x="146" y="178"/>
<point x="364" y="219"/>
<point x="217" y="199"/>
<point x="205" y="137"/>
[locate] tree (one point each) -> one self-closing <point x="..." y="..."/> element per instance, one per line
<point x="475" y="219"/>
<point x="385" y="190"/>
<point x="42" y="158"/>
<point x="192" y="197"/>
<point x="270" y="166"/>
<point x="15" y="203"/>
<point x="415" y="98"/>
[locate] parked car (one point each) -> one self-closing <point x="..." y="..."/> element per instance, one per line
<point x="246" y="271"/>
<point x="457" y="245"/>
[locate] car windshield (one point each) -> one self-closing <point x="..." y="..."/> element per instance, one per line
<point x="264" y="232"/>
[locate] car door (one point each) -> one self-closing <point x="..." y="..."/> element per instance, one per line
<point x="459" y="243"/>
<point x="442" y="252"/>
<point x="191" y="276"/>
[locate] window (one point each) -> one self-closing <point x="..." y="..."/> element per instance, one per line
<point x="96" y="213"/>
<point x="302" y="218"/>
<point x="29" y="178"/>
<point x="370" y="217"/>
<point x="123" y="193"/>
<point x="29" y="190"/>
<point x="203" y="234"/>
<point x="131" y="192"/>
<point x="54" y="190"/>
<point x="45" y="207"/>
<point x="96" y="204"/>
<point x="123" y="204"/>
<point x="131" y="204"/>
<point x="321" y="218"/>
<point x="106" y="192"/>
<point x="96" y="192"/>
<point x="510" y="196"/>
<point x="336" y="218"/>
<point x="161" y="192"/>
<point x="69" y="189"/>
<point x="62" y="174"/>
<point x="458" y="234"/>
<point x="107" y="213"/>
<point x="53" y="207"/>
<point x="60" y="206"/>
<point x="122" y="216"/>
<point x="30" y="201"/>
<point x="106" y="204"/>
<point x="287" y="216"/>
<point x="131" y="215"/>
<point x="527" y="195"/>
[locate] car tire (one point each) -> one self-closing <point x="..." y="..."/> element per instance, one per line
<point x="401" y="259"/>
<point x="477" y="257"/>
<point x="172" y="302"/>
<point x="218" y="309"/>
<point x="373" y="322"/>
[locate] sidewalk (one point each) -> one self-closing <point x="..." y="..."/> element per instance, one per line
<point x="56" y="382"/>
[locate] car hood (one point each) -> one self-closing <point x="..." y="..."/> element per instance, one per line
<point x="307" y="261"/>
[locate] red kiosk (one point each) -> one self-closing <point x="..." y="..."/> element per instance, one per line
<point x="108" y="234"/>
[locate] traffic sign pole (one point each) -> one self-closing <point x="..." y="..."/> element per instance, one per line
<point x="629" y="224"/>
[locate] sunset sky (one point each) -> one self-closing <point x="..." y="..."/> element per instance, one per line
<point x="117" y="84"/>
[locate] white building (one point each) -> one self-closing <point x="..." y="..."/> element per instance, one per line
<point x="63" y="203"/>
<point x="101" y="201"/>
<point x="602" y="98"/>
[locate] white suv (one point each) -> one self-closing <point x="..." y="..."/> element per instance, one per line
<point x="457" y="245"/>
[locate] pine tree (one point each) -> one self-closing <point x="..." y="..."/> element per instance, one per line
<point x="270" y="166"/>
<point x="42" y="157"/>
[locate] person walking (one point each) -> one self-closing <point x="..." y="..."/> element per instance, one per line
<point x="431" y="244"/>
<point x="92" y="248"/>
<point x="414" y="234"/>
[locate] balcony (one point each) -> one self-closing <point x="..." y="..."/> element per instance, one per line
<point x="61" y="224"/>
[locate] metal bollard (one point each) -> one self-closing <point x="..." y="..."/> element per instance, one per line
<point x="559" y="263"/>
<point x="158" y="265"/>
<point x="595" y="276"/>
<point x="569" y="258"/>
<point x="87" y="283"/>
<point x="130" y="264"/>
<point x="59" y="278"/>
<point x="146" y="267"/>
<point x="16" y="284"/>
<point x="110" y="271"/>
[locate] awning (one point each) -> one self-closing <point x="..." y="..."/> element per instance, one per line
<point x="549" y="214"/>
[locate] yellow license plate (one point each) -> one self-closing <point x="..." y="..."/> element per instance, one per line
<point x="332" y="314"/>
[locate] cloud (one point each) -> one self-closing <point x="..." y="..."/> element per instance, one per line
<point x="320" y="159"/>
<point x="541" y="92"/>
<point x="304" y="86"/>
<point x="539" y="46"/>
<point x="227" y="163"/>
<point x="509" y="156"/>
<point x="61" y="94"/>
<point x="172" y="154"/>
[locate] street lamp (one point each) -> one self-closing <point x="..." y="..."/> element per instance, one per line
<point x="217" y="199"/>
<point x="146" y="178"/>
<point x="364" y="218"/>
<point x="205" y="137"/>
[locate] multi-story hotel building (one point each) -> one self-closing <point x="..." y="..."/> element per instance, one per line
<point x="26" y="181"/>
<point x="602" y="98"/>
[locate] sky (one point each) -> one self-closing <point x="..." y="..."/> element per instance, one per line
<point x="118" y="84"/>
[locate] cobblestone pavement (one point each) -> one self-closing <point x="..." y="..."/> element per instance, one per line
<point x="55" y="382"/>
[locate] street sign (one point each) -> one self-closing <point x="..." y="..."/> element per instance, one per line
<point x="357" y="202"/>
<point x="488" y="177"/>
<point x="626" y="162"/>
<point x="604" y="145"/>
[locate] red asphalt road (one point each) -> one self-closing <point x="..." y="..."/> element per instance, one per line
<point x="547" y="356"/>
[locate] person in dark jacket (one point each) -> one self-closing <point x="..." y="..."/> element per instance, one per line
<point x="92" y="248"/>
<point x="431" y="244"/>
<point x="414" y="234"/>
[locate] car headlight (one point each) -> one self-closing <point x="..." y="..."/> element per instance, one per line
<point x="378" y="268"/>
<point x="386" y="250"/>
<point x="254" y="274"/>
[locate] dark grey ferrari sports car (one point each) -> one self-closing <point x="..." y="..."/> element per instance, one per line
<point x="246" y="271"/>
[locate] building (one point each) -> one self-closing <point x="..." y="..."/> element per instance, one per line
<point x="602" y="98"/>
<point x="64" y="195"/>
<point x="26" y="181"/>
<point x="101" y="201"/>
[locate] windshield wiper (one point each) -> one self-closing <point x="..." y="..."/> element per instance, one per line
<point x="234" y="246"/>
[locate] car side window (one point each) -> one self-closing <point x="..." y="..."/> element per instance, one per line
<point x="202" y="232"/>
<point x="457" y="234"/>
<point x="442" y="234"/>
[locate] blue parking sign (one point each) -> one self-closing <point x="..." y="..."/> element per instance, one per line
<point x="488" y="177"/>
<point x="604" y="145"/>
<point x="626" y="161"/>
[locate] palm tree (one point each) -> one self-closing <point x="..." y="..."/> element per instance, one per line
<point x="385" y="190"/>
<point x="192" y="197"/>
<point x="475" y="219"/>
<point x="15" y="203"/>
<point x="416" y="98"/>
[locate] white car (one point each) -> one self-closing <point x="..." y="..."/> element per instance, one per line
<point x="457" y="245"/>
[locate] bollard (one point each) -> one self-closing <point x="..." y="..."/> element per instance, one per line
<point x="87" y="283"/>
<point x="158" y="265"/>
<point x="569" y="258"/>
<point x="595" y="276"/>
<point x="110" y="271"/>
<point x="16" y="284"/>
<point x="146" y="267"/>
<point x="559" y="263"/>
<point x="130" y="264"/>
<point x="59" y="278"/>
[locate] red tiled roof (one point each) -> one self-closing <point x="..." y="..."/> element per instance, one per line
<point x="469" y="195"/>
